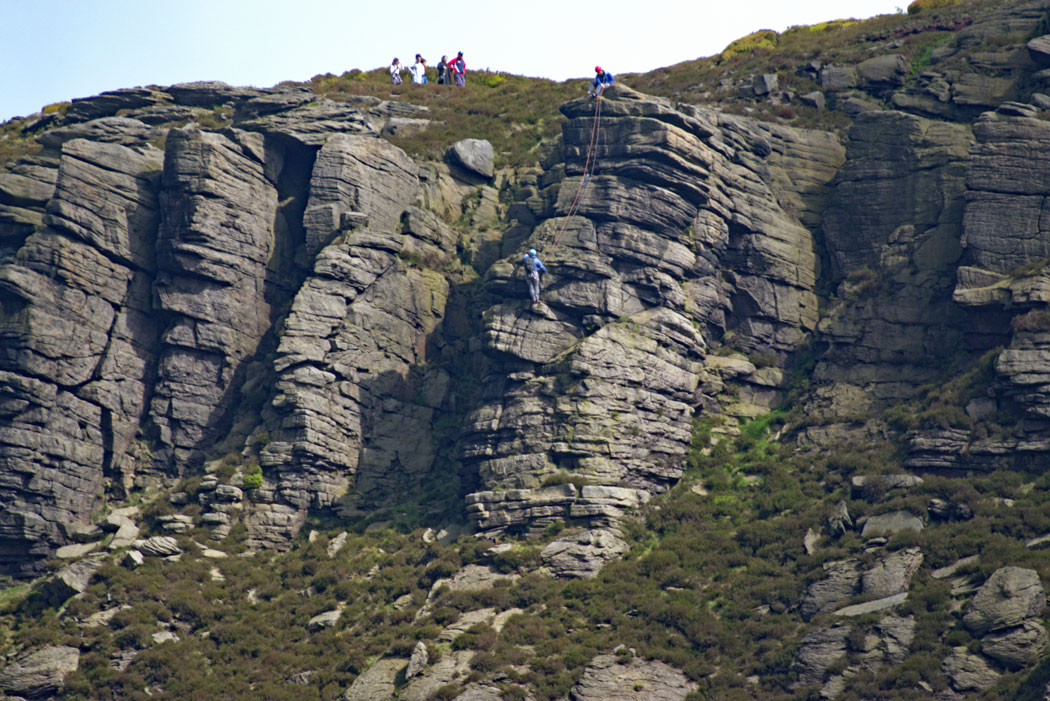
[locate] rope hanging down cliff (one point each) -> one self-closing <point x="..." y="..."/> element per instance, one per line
<point x="586" y="173"/>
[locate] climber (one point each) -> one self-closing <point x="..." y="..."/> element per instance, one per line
<point x="601" y="80"/>
<point x="533" y="267"/>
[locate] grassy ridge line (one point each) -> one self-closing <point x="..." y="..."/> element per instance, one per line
<point x="513" y="112"/>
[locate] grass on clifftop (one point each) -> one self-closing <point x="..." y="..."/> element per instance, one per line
<point x="513" y="112"/>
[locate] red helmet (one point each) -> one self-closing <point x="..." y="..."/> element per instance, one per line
<point x="597" y="69"/>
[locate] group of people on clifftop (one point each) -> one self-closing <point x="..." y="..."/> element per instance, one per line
<point x="448" y="72"/>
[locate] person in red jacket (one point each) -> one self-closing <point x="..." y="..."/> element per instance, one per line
<point x="458" y="68"/>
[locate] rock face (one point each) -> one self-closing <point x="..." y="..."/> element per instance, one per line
<point x="77" y="340"/>
<point x="893" y="220"/>
<point x="215" y="241"/>
<point x="139" y="289"/>
<point x="599" y="381"/>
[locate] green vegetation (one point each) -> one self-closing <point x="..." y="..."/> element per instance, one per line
<point x="513" y="112"/>
<point x="917" y="6"/>
<point x="752" y="43"/>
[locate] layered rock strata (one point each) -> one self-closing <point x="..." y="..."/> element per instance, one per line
<point x="678" y="234"/>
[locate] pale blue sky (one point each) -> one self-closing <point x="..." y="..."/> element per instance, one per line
<point x="55" y="50"/>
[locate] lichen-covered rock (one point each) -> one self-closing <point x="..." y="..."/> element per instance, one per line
<point x="376" y="682"/>
<point x="818" y="651"/>
<point x="71" y="580"/>
<point x="610" y="678"/>
<point x="841" y="581"/>
<point x="969" y="672"/>
<point x="40" y="674"/>
<point x="158" y="546"/>
<point x="892" y="573"/>
<point x="418" y="661"/>
<point x="1017" y="647"/>
<point x="453" y="667"/>
<point x="1009" y="597"/>
<point x="892" y="523"/>
<point x="583" y="554"/>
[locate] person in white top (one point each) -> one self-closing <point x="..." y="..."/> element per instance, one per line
<point x="419" y="71"/>
<point x="395" y="72"/>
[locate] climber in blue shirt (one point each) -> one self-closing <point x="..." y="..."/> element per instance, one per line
<point x="601" y="80"/>
<point x="533" y="267"/>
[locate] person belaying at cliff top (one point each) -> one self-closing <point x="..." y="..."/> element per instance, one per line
<point x="602" y="79"/>
<point x="533" y="267"/>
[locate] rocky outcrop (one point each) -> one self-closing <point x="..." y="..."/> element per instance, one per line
<point x="887" y="577"/>
<point x="215" y="241"/>
<point x="40" y="674"/>
<point x="1009" y="597"/>
<point x="77" y="338"/>
<point x="352" y="404"/>
<point x="599" y="381"/>
<point x="583" y="554"/>
<point x="612" y="678"/>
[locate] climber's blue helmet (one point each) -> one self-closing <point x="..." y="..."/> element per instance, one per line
<point x="532" y="251"/>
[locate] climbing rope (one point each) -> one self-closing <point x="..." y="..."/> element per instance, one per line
<point x="586" y="172"/>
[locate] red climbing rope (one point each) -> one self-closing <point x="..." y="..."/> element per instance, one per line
<point x="586" y="171"/>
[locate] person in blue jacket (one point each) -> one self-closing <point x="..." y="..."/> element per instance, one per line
<point x="601" y="80"/>
<point x="533" y="267"/>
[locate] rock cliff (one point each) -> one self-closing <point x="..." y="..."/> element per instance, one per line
<point x="253" y="310"/>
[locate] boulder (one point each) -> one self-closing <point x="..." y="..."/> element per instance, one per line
<point x="837" y="78"/>
<point x="891" y="524"/>
<point x="133" y="559"/>
<point x="1041" y="101"/>
<point x="70" y="580"/>
<point x="611" y="678"/>
<point x="1009" y="597"/>
<point x="452" y="668"/>
<point x="875" y="606"/>
<point x="324" y="620"/>
<point x="336" y="544"/>
<point x="841" y="582"/>
<point x="839" y="522"/>
<point x="75" y="551"/>
<point x="814" y="99"/>
<point x="376" y="682"/>
<point x="892" y="573"/>
<point x="1039" y="50"/>
<point x="39" y="674"/>
<point x="583" y="554"/>
<point x="764" y="84"/>
<point x="1018" y="647"/>
<point x="968" y="672"/>
<point x="158" y="546"/>
<point x="818" y="651"/>
<point x="473" y="155"/>
<point x="883" y="71"/>
<point x="418" y="661"/>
